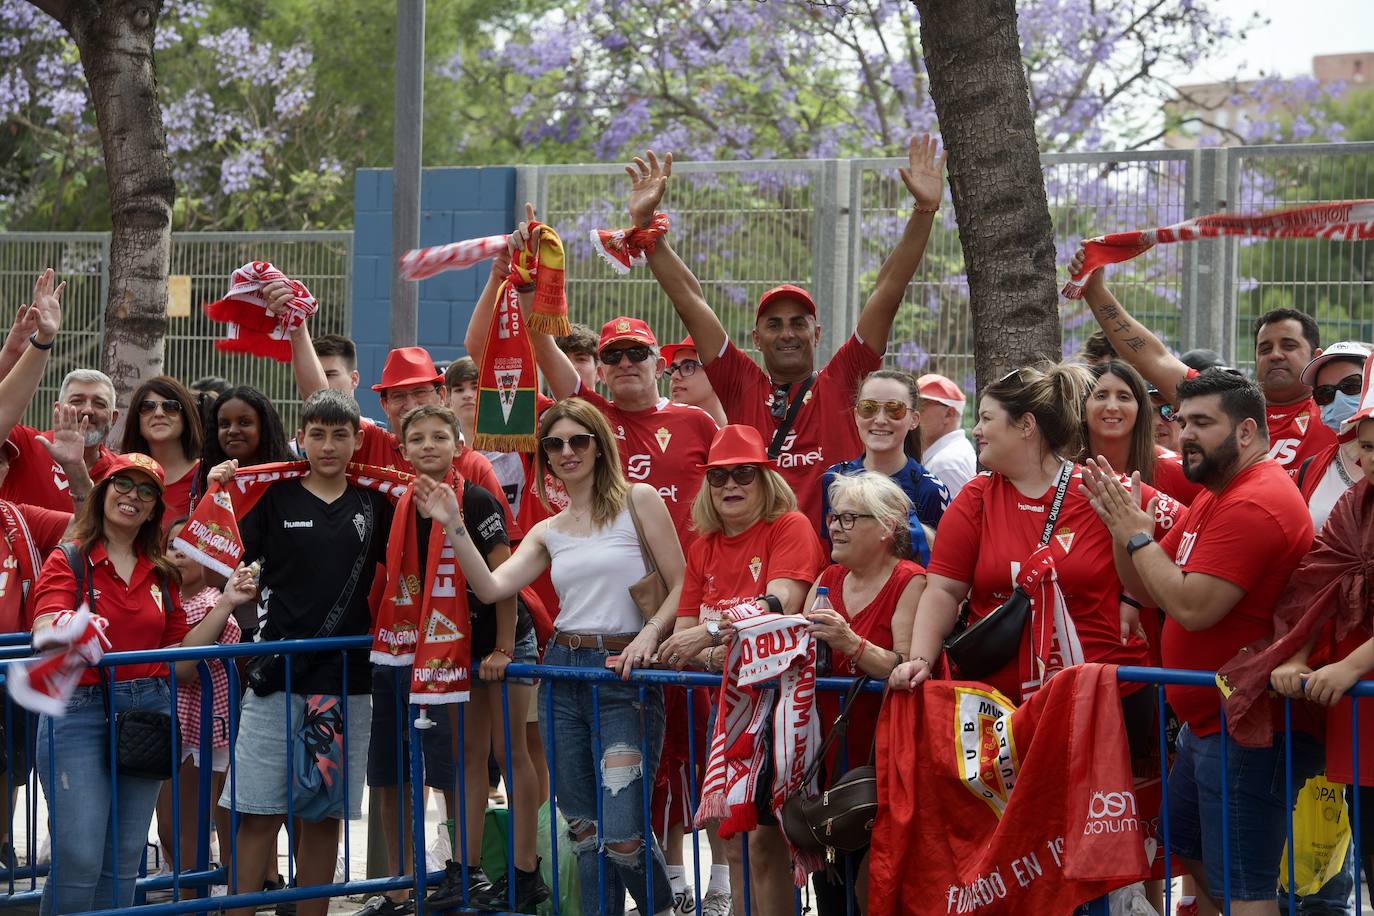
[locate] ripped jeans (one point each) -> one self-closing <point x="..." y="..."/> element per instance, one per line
<point x="600" y="764"/>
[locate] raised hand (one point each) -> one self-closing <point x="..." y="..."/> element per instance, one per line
<point x="68" y="445"/>
<point x="924" y="174"/>
<point x="438" y="501"/>
<point x="25" y="325"/>
<point x="523" y="238"/>
<point x="648" y="182"/>
<point x="278" y="294"/>
<point x="223" y="472"/>
<point x="47" y="305"/>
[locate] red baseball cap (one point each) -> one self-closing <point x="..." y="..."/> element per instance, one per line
<point x="136" y="461"/>
<point x="941" y="390"/>
<point x="670" y="351"/>
<point x="408" y="366"/>
<point x="626" y="329"/>
<point x="786" y="291"/>
<point x="736" y="444"/>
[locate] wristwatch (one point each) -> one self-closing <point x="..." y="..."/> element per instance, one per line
<point x="1138" y="541"/>
<point x="713" y="630"/>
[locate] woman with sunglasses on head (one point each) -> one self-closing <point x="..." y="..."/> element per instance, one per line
<point x="593" y="554"/>
<point x="888" y="424"/>
<point x="167" y="427"/>
<point x="753" y="546"/>
<point x="687" y="381"/>
<point x="132" y="588"/>
<point x="874" y="589"/>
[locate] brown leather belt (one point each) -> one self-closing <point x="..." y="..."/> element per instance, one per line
<point x="592" y="641"/>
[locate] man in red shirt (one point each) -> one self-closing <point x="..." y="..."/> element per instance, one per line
<point x="1286" y="340"/>
<point x="1217" y="575"/>
<point x="787" y="333"/>
<point x="35" y="477"/>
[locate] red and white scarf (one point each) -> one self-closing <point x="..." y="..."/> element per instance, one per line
<point x="765" y="646"/>
<point x="629" y="247"/>
<point x="74" y="642"/>
<point x="1339" y="221"/>
<point x="252" y="328"/>
<point x="1054" y="643"/>
<point x="422" y="263"/>
<point x="434" y="632"/>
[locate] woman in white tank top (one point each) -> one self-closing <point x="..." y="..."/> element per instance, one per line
<point x="599" y="732"/>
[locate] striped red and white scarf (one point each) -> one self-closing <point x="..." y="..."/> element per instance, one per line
<point x="252" y="328"/>
<point x="765" y="646"/>
<point x="1340" y="221"/>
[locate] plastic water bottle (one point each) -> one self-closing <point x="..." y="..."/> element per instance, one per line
<point x="822" y="647"/>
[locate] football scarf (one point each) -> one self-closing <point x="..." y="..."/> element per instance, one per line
<point x="1054" y="643"/>
<point x="765" y="646"/>
<point x="507" y="381"/>
<point x="211" y="535"/>
<point x="75" y="641"/>
<point x="24" y="554"/>
<point x="1340" y="221"/>
<point x="627" y="248"/>
<point x="1042" y="794"/>
<point x="252" y="328"/>
<point x="422" y="263"/>
<point x="543" y="266"/>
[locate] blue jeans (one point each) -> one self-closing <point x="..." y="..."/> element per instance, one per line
<point x="577" y="745"/>
<point x="1255" y="814"/>
<point x="98" y="834"/>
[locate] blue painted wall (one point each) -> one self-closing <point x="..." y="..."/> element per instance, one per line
<point x="455" y="203"/>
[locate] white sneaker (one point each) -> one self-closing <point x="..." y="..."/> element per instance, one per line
<point x="685" y="903"/>
<point x="715" y="903"/>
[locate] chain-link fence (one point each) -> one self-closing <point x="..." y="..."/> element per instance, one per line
<point x="321" y="260"/>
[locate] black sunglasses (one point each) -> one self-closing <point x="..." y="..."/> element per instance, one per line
<point x="580" y="442"/>
<point x="635" y="354"/>
<point x="1325" y="394"/>
<point x="148" y="405"/>
<point x="126" y="485"/>
<point x="742" y="474"/>
<point x="686" y="367"/>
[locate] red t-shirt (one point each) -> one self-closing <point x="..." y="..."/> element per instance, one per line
<point x="666" y="447"/>
<point x="989" y="531"/>
<point x="177" y="498"/>
<point x="1296" y="431"/>
<point x="874" y="623"/>
<point x="1169" y="477"/>
<point x="35" y="479"/>
<point x="823" y="432"/>
<point x="138" y="619"/>
<point x="1253" y="534"/>
<point x="45" y="529"/>
<point x="723" y="571"/>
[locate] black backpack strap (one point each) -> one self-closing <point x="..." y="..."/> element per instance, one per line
<point x="77" y="560"/>
<point x="785" y="427"/>
<point x="1302" y="469"/>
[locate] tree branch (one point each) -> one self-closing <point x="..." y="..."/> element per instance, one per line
<point x="57" y="9"/>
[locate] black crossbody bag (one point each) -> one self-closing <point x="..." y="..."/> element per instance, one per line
<point x="147" y="742"/>
<point x="983" y="648"/>
<point x="785" y="425"/>
<point x="266" y="674"/>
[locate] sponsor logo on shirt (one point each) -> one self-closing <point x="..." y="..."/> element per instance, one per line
<point x="801" y="459"/>
<point x="756" y="567"/>
<point x="987" y="753"/>
<point x="1027" y="507"/>
<point x="663" y="437"/>
<point x="620" y="432"/>
<point x="638" y="467"/>
<point x="308" y="523"/>
<point x="1284" y="450"/>
<point x="1185" y="548"/>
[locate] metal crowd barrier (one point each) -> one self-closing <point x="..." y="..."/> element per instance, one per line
<point x="19" y="881"/>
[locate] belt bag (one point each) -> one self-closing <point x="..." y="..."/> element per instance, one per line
<point x="840" y="819"/>
<point x="983" y="648"/>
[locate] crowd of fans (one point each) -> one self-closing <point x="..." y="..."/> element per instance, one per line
<point x="1182" y="494"/>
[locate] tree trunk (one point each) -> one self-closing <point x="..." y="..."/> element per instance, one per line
<point x="973" y="57"/>
<point x="115" y="40"/>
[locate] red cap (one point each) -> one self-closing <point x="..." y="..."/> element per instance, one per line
<point x="626" y="329"/>
<point x="408" y="366"/>
<point x="670" y="351"/>
<point x="786" y="291"/>
<point x="941" y="390"/>
<point x="736" y="444"/>
<point x="1366" y="409"/>
<point x="136" y="461"/>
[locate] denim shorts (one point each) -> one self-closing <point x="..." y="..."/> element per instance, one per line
<point x="259" y="777"/>
<point x="1255" y="814"/>
<point x="526" y="653"/>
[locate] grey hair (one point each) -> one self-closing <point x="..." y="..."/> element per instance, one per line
<point x="87" y="376"/>
<point x="878" y="495"/>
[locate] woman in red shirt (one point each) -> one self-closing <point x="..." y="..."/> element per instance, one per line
<point x="1027" y="422"/>
<point x="1119" y="423"/>
<point x="874" y="589"/>
<point x="132" y="589"/>
<point x="754" y="546"/>
<point x="166" y="425"/>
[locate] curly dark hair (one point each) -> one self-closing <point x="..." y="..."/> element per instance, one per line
<point x="272" y="441"/>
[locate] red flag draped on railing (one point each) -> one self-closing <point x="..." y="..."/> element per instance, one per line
<point x="1342" y="221"/>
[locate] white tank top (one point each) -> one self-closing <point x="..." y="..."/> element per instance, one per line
<point x="592" y="575"/>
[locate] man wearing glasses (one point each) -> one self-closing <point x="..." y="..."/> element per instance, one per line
<point x="786" y="333"/>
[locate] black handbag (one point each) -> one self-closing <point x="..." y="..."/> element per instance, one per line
<point x="266" y="674"/>
<point x="978" y="650"/>
<point x="147" y="741"/>
<point x="840" y="819"/>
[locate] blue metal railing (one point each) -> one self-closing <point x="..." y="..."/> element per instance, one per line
<point x="22" y="880"/>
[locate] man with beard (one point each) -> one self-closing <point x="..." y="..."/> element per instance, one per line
<point x="1217" y="575"/>
<point x="1286" y="340"/>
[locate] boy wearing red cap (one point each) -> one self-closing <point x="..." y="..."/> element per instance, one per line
<point x="786" y="333"/>
<point x="687" y="383"/>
